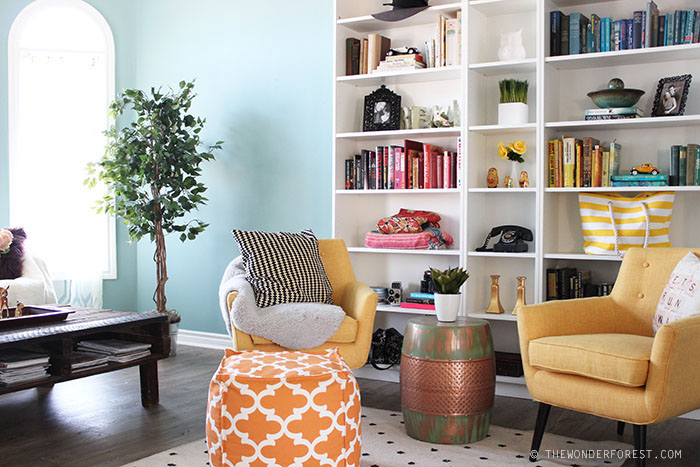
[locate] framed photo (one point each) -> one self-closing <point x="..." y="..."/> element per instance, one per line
<point x="671" y="95"/>
<point x="382" y="111"/>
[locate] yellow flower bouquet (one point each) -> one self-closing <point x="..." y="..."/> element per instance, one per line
<point x="512" y="152"/>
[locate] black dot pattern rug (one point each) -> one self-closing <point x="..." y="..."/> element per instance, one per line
<point x="386" y="444"/>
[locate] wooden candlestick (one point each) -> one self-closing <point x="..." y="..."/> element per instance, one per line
<point x="520" y="301"/>
<point x="495" y="304"/>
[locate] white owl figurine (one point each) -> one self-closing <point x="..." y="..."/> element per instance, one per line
<point x="511" y="46"/>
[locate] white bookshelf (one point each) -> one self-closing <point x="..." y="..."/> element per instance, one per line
<point x="557" y="101"/>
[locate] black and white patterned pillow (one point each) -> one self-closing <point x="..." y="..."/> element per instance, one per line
<point x="284" y="267"/>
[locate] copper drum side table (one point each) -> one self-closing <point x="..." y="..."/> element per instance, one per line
<point x="448" y="380"/>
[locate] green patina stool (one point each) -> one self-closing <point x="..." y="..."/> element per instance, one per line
<point x="448" y="379"/>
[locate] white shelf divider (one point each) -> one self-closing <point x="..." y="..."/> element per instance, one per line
<point x="389" y="251"/>
<point x="400" y="77"/>
<point x="404" y="311"/>
<point x="670" y="53"/>
<point x="581" y="257"/>
<point x="621" y="189"/>
<point x="503" y="190"/>
<point x="503" y="129"/>
<point x="429" y="191"/>
<point x="641" y="123"/>
<point x="528" y="65"/>
<point x="503" y="7"/>
<point x="419" y="133"/>
<point x="368" y="23"/>
<point x="492" y="254"/>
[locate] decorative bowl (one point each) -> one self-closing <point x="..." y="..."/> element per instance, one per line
<point x="616" y="95"/>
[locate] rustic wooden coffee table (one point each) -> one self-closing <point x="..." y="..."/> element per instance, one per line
<point x="59" y="338"/>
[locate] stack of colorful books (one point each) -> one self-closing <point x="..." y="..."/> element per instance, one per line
<point x="401" y="63"/>
<point x="614" y="113"/>
<point x="640" y="180"/>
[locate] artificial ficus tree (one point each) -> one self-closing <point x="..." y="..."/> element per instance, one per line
<point x="150" y="170"/>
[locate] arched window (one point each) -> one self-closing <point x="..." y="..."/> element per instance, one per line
<point x="61" y="80"/>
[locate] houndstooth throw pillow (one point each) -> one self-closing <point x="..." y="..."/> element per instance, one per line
<point x="284" y="267"/>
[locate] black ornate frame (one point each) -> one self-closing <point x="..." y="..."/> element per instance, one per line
<point x="392" y="102"/>
<point x="657" y="109"/>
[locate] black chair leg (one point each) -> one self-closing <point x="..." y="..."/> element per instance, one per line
<point x="542" y="415"/>
<point x="640" y="445"/>
<point x="620" y="428"/>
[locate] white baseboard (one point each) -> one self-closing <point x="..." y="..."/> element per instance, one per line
<point x="208" y="340"/>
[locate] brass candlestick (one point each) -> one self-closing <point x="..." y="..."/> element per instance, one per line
<point x="495" y="305"/>
<point x="520" y="301"/>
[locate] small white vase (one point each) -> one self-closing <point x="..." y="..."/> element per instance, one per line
<point x="447" y="306"/>
<point x="512" y="113"/>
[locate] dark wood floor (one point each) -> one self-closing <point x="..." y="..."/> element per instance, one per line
<point x="100" y="421"/>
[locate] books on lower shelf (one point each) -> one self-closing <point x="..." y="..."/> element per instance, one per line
<point x="684" y="165"/>
<point x="578" y="34"/>
<point x="81" y="360"/>
<point x="582" y="162"/>
<point x="567" y="283"/>
<point x="116" y="350"/>
<point x="639" y="180"/>
<point x="414" y="165"/>
<point x="21" y="366"/>
<point x="418" y="306"/>
<point x="615" y="113"/>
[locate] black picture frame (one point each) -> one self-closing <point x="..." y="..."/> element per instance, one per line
<point x="670" y="100"/>
<point x="382" y="110"/>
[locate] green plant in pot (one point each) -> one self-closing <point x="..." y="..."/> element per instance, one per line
<point x="447" y="296"/>
<point x="512" y="107"/>
<point x="151" y="168"/>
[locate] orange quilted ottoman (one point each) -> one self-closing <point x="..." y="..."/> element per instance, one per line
<point x="284" y="409"/>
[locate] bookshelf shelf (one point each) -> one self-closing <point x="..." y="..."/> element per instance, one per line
<point x="507" y="316"/>
<point x="367" y="23"/>
<point x="436" y="191"/>
<point x="503" y="190"/>
<point x="502" y="7"/>
<point x="527" y="65"/>
<point x="400" y="77"/>
<point x="581" y="257"/>
<point x="636" y="123"/>
<point x="388" y="251"/>
<point x="403" y="311"/>
<point x="671" y="53"/>
<point x="621" y="189"/>
<point x="491" y="254"/>
<point x="421" y="133"/>
<point x="503" y="129"/>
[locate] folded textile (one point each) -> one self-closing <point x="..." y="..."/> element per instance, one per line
<point x="430" y="239"/>
<point x="294" y="326"/>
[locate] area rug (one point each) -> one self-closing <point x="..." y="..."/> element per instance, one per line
<point x="386" y="444"/>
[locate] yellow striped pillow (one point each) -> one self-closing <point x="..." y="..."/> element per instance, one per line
<point x="640" y="221"/>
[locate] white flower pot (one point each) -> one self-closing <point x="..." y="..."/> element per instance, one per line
<point x="447" y="306"/>
<point x="512" y="113"/>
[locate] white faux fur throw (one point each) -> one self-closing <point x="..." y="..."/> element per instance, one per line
<point x="292" y="325"/>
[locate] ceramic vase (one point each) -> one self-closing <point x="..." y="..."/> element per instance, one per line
<point x="520" y="301"/>
<point x="447" y="306"/>
<point x="512" y="113"/>
<point x="495" y="304"/>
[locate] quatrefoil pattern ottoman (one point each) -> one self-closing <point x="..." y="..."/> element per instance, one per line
<point x="283" y="409"/>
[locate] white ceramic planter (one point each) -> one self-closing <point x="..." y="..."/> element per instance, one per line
<point x="512" y="113"/>
<point x="447" y="306"/>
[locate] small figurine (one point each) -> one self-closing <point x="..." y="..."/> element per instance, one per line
<point x="520" y="301"/>
<point x="440" y="118"/>
<point x="495" y="304"/>
<point x="492" y="178"/>
<point x="508" y="182"/>
<point x="18" y="310"/>
<point x="4" y="306"/>
<point x="405" y="118"/>
<point x="524" y="180"/>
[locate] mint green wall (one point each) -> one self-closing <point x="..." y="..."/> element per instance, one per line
<point x="264" y="74"/>
<point x="119" y="294"/>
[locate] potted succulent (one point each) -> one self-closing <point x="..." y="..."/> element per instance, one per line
<point x="150" y="169"/>
<point x="447" y="295"/>
<point x="512" y="109"/>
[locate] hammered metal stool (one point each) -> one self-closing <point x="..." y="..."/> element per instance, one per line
<point x="448" y="380"/>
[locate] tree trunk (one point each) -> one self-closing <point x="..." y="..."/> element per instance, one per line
<point x="161" y="269"/>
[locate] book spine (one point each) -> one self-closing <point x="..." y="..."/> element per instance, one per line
<point x="550" y="158"/>
<point x="690" y="173"/>
<point x="352" y="56"/>
<point x="661" y="28"/>
<point x="564" y="36"/>
<point x="423" y="295"/>
<point x="597" y="34"/>
<point x="558" y="162"/>
<point x="348" y="174"/>
<point x="589" y="38"/>
<point x="668" y="40"/>
<point x="677" y="27"/>
<point x="555" y="33"/>
<point x="583" y="29"/>
<point x="675" y="155"/>
<point x="575" y="33"/>
<point x="446" y="168"/>
<point x="391" y="168"/>
<point x="595" y="169"/>
<point x="605" y="169"/>
<point x="579" y="160"/>
<point x="689" y="27"/>
<point x="551" y="284"/>
<point x="439" y="170"/>
<point x="644" y="28"/>
<point x="427" y="166"/>
<point x="696" y="29"/>
<point x="616" y="35"/>
<point x="569" y="161"/>
<point x="385" y="167"/>
<point x="365" y="169"/>
<point x="682" y="165"/>
<point x="460" y="168"/>
<point x="630" y="33"/>
<point x="696" y="180"/>
<point x="417" y="306"/>
<point x="623" y="34"/>
<point x="615" y="151"/>
<point x="637" y="29"/>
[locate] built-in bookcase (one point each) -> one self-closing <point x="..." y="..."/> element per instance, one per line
<point x="557" y="100"/>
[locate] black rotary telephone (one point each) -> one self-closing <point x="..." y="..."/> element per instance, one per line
<point x="513" y="238"/>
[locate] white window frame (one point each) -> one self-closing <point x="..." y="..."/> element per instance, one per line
<point x="18" y="24"/>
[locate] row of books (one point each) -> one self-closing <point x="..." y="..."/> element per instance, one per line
<point x="613" y="113"/>
<point x="414" y="165"/>
<point x="402" y="63"/>
<point x="21" y="366"/>
<point x="576" y="34"/>
<point x="446" y="48"/>
<point x="116" y="350"/>
<point x="685" y="165"/>
<point x="583" y="162"/>
<point x="566" y="283"/>
<point x="362" y="56"/>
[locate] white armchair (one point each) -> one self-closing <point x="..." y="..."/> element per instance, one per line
<point x="34" y="287"/>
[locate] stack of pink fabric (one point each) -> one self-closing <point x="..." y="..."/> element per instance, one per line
<point x="409" y="230"/>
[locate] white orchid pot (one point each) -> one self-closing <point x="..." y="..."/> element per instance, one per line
<point x="447" y="306"/>
<point x="512" y="113"/>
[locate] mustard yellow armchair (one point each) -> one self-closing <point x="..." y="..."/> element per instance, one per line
<point x="359" y="302"/>
<point x="600" y="356"/>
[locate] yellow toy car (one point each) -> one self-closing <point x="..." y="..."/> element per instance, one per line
<point x="645" y="168"/>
